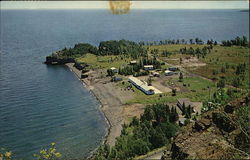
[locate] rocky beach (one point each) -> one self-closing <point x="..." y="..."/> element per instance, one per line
<point x="112" y="100"/>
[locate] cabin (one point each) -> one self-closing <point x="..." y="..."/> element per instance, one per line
<point x="80" y="66"/>
<point x="133" y="62"/>
<point x="141" y="85"/>
<point x="173" y="69"/>
<point x="148" y="67"/>
<point x="116" y="79"/>
<point x="168" y="73"/>
<point x="114" y="70"/>
<point x="155" y="74"/>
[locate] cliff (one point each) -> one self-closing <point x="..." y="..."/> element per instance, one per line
<point x="216" y="135"/>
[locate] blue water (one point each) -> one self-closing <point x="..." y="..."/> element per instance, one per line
<point x="41" y="104"/>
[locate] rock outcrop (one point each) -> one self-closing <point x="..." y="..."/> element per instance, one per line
<point x="57" y="60"/>
<point x="212" y="136"/>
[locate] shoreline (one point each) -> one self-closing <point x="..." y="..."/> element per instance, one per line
<point x="104" y="140"/>
<point x="113" y="103"/>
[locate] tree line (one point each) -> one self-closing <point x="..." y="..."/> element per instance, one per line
<point x="238" y="41"/>
<point x="121" y="47"/>
<point x="135" y="69"/>
<point x="136" y="50"/>
<point x="198" y="52"/>
<point x="178" y="41"/>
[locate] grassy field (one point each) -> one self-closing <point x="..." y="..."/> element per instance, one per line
<point x="103" y="62"/>
<point x="193" y="87"/>
<point x="167" y="97"/>
<point x="196" y="83"/>
<point x="196" y="91"/>
<point x="227" y="57"/>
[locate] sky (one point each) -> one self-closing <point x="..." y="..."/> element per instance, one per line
<point x="134" y="4"/>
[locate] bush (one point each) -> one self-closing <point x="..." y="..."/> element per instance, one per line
<point x="48" y="154"/>
<point x="221" y="83"/>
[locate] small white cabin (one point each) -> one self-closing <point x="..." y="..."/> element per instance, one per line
<point x="133" y="62"/>
<point x="148" y="67"/>
<point x="114" y="70"/>
<point x="155" y="74"/>
<point x="168" y="73"/>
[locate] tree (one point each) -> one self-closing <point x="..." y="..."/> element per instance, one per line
<point x="169" y="129"/>
<point x="148" y="114"/>
<point x="236" y="82"/>
<point x="173" y="115"/>
<point x="191" y="41"/>
<point x="135" y="121"/>
<point x="230" y="92"/>
<point x="174" y="92"/>
<point x="157" y="138"/>
<point x="5" y="155"/>
<point x="244" y="41"/>
<point x="48" y="154"/>
<point x="221" y="83"/>
<point x="139" y="147"/>
<point x="113" y="154"/>
<point x="180" y="60"/>
<point x="181" y="77"/>
<point x="223" y="70"/>
<point x="198" y="41"/>
<point x="240" y="69"/>
<point x="110" y="72"/>
<point x="189" y="111"/>
<point x="215" y="72"/>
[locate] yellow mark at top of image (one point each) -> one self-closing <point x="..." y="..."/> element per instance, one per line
<point x="119" y="7"/>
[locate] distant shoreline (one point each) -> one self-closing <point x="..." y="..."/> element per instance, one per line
<point x="244" y="10"/>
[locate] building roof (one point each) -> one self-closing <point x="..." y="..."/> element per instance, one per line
<point x="112" y="68"/>
<point x="153" y="72"/>
<point x="144" y="85"/>
<point x="148" y="66"/>
<point x="133" y="61"/>
<point x="140" y="83"/>
<point x="168" y="71"/>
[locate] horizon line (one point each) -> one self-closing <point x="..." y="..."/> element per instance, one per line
<point x="130" y="9"/>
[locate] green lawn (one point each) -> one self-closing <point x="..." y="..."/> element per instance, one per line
<point x="196" y="83"/>
<point x="196" y="91"/>
<point x="103" y="62"/>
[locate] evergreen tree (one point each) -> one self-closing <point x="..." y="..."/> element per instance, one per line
<point x="181" y="77"/>
<point x="221" y="83"/>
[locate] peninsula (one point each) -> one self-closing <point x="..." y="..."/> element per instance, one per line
<point x="150" y="91"/>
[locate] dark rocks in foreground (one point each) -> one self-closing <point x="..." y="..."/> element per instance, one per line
<point x="58" y="61"/>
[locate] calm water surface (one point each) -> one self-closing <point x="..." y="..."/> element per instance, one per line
<point x="41" y="104"/>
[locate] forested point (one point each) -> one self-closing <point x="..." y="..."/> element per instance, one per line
<point x="113" y="47"/>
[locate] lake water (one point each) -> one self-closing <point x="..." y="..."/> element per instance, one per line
<point x="41" y="104"/>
